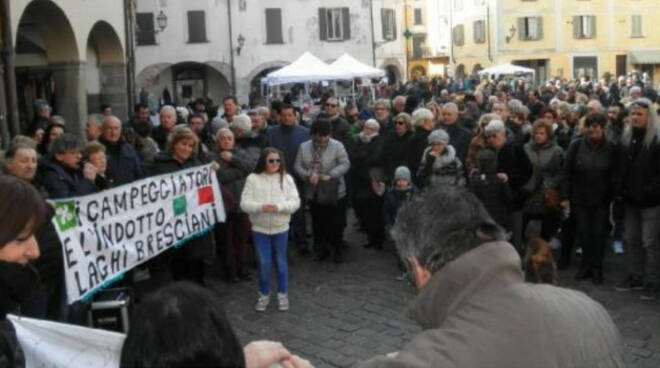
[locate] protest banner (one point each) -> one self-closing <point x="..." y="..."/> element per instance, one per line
<point x="60" y="345"/>
<point x="106" y="234"/>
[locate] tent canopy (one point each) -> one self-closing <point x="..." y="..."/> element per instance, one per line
<point x="306" y="68"/>
<point x="506" y="69"/>
<point x="348" y="65"/>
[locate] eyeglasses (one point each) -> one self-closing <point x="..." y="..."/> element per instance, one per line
<point x="274" y="161"/>
<point x="331" y="105"/>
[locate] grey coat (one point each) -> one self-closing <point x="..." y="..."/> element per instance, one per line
<point x="478" y="312"/>
<point x="334" y="162"/>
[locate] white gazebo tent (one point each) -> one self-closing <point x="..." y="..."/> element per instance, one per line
<point x="307" y="68"/>
<point x="348" y="65"/>
<point x="506" y="69"/>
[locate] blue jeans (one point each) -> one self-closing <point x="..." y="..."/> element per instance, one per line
<point x="265" y="245"/>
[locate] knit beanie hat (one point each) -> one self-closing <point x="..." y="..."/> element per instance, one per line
<point x="402" y="172"/>
<point x="439" y="136"/>
<point x="242" y="122"/>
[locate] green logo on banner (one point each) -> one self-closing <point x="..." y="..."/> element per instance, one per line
<point x="65" y="215"/>
<point x="179" y="205"/>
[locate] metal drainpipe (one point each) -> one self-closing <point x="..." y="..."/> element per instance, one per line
<point x="487" y="25"/>
<point x="373" y="36"/>
<point x="231" y="49"/>
<point x="129" y="30"/>
<point x="10" y="72"/>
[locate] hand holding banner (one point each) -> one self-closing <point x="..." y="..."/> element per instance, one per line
<point x="106" y="234"/>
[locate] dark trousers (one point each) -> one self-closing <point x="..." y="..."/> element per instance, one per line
<point x="298" y="223"/>
<point x="235" y="252"/>
<point x="568" y="237"/>
<point x="371" y="209"/>
<point x="327" y="228"/>
<point x="618" y="209"/>
<point x="188" y="270"/>
<point x="592" y="231"/>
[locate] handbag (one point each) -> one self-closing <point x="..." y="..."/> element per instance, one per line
<point x="327" y="192"/>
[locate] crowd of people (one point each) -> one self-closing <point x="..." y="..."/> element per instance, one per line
<point x="579" y="157"/>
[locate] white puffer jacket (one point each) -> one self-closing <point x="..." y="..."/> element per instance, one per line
<point x="261" y="189"/>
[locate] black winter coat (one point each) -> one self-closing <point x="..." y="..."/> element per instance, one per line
<point x="199" y="247"/>
<point x="61" y="182"/>
<point x="418" y="144"/>
<point x="365" y="159"/>
<point x="495" y="195"/>
<point x="588" y="176"/>
<point x="640" y="169"/>
<point x="232" y="174"/>
<point x="460" y="138"/>
<point x="124" y="164"/>
<point x="512" y="161"/>
<point x="397" y="151"/>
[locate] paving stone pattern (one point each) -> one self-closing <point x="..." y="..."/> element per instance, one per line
<point x="343" y="314"/>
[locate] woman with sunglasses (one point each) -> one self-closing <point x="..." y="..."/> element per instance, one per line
<point x="269" y="198"/>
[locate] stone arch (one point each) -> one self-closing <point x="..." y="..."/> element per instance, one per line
<point x="393" y="74"/>
<point x="107" y="43"/>
<point x="48" y="64"/>
<point x="184" y="80"/>
<point x="394" y="65"/>
<point x="418" y="71"/>
<point x="264" y="66"/>
<point x="43" y="26"/>
<point x="105" y="70"/>
<point x="476" y="68"/>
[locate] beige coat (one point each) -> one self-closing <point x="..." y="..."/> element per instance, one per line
<point x="261" y="189"/>
<point x="477" y="312"/>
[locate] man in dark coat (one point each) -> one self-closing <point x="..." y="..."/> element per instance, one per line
<point x="641" y="194"/>
<point x="61" y="173"/>
<point x="124" y="165"/>
<point x="459" y="137"/>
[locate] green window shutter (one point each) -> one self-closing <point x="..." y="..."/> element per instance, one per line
<point x="540" y="28"/>
<point x="576" y="26"/>
<point x="521" y="29"/>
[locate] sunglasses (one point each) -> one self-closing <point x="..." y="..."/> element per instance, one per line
<point x="400" y="122"/>
<point x="642" y="104"/>
<point x="274" y="161"/>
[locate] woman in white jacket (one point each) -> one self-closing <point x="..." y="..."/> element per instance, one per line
<point x="269" y="198"/>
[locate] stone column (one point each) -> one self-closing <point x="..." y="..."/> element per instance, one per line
<point x="113" y="88"/>
<point x="70" y="95"/>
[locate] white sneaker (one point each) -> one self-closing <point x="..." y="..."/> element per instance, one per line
<point x="283" y="302"/>
<point x="262" y="302"/>
<point x="617" y="246"/>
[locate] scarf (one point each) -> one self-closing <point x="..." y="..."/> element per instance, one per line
<point x="17" y="282"/>
<point x="366" y="138"/>
<point x="316" y="158"/>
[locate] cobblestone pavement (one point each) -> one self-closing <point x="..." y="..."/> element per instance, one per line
<point x="343" y="314"/>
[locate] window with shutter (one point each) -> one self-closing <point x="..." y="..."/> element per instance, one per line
<point x="530" y="28"/>
<point x="636" y="30"/>
<point x="323" y="25"/>
<point x="196" y="26"/>
<point x="146" y="34"/>
<point x="479" y="31"/>
<point x="274" y="26"/>
<point x="388" y="21"/>
<point x="418" y="16"/>
<point x="334" y="24"/>
<point x="459" y="36"/>
<point x="584" y="26"/>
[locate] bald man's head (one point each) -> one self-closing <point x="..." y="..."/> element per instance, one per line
<point x="111" y="129"/>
